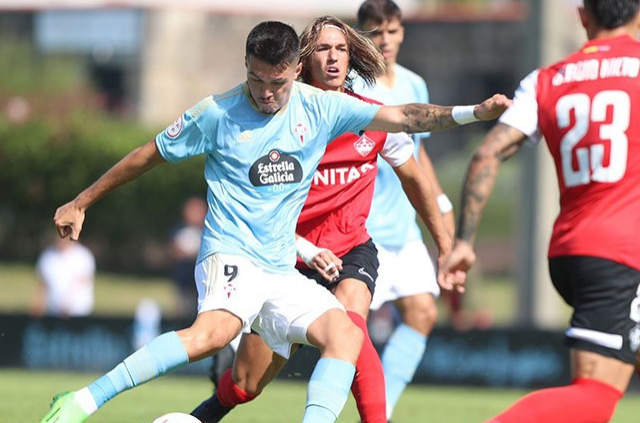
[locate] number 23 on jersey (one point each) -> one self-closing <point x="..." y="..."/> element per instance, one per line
<point x="582" y="164"/>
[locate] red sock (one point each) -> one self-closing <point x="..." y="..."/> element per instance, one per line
<point x="229" y="394"/>
<point x="584" y="401"/>
<point x="368" y="386"/>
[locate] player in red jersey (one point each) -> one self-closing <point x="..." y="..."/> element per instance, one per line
<point x="333" y="244"/>
<point x="587" y="107"/>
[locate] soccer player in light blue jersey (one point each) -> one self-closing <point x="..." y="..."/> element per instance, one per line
<point x="262" y="141"/>
<point x="406" y="276"/>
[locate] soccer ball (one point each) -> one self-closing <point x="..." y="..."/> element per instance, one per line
<point x="176" y="418"/>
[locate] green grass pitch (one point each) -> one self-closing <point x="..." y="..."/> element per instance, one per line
<point x="25" y="395"/>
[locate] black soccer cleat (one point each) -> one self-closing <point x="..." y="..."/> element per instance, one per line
<point x="210" y="410"/>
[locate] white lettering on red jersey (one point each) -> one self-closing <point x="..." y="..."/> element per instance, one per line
<point x="339" y="200"/>
<point x="587" y="107"/>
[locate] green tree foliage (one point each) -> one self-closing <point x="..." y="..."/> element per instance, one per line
<point x="61" y="144"/>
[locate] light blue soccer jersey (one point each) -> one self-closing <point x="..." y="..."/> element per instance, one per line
<point x="392" y="220"/>
<point x="259" y="167"/>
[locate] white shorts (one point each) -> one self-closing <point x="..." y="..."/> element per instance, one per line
<point x="404" y="272"/>
<point x="280" y="307"/>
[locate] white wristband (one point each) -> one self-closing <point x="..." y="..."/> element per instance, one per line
<point x="464" y="114"/>
<point x="306" y="250"/>
<point x="444" y="204"/>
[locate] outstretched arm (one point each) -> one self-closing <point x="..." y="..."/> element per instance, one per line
<point x="417" y="117"/>
<point x="502" y="142"/>
<point x="70" y="217"/>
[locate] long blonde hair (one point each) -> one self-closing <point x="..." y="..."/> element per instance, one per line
<point x="364" y="57"/>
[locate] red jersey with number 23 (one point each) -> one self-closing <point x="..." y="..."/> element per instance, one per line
<point x="336" y="210"/>
<point x="589" y="113"/>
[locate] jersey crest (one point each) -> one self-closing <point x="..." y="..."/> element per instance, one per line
<point x="364" y="145"/>
<point x="300" y="130"/>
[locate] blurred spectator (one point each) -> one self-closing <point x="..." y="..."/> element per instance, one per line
<point x="66" y="271"/>
<point x="185" y="244"/>
<point x="17" y="110"/>
<point x="146" y="322"/>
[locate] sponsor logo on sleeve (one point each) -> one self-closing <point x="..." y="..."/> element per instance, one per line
<point x="175" y="129"/>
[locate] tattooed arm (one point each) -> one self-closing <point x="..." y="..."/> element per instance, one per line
<point x="501" y="142"/>
<point x="417" y="117"/>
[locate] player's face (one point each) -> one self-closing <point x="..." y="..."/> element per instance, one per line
<point x="270" y="85"/>
<point x="387" y="36"/>
<point x="330" y="61"/>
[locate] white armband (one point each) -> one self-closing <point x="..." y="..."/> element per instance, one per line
<point x="307" y="250"/>
<point x="464" y="114"/>
<point x="444" y="204"/>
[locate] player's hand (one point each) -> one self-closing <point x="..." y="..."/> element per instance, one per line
<point x="327" y="264"/>
<point x="492" y="108"/>
<point x="458" y="264"/>
<point x="462" y="257"/>
<point x="450" y="280"/>
<point x="68" y="220"/>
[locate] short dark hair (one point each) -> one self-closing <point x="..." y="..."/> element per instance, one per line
<point x="273" y="42"/>
<point x="611" y="14"/>
<point x="378" y="11"/>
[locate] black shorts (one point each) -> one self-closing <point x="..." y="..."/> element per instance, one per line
<point x="359" y="263"/>
<point x="605" y="296"/>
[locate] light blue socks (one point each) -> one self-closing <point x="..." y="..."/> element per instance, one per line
<point x="328" y="390"/>
<point x="162" y="355"/>
<point x="400" y="359"/>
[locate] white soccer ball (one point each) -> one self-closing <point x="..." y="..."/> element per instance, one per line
<point x="176" y="418"/>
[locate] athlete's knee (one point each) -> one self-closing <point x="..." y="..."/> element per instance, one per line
<point x="210" y="342"/>
<point x="431" y="311"/>
<point x="202" y="342"/>
<point x="354" y="333"/>
<point x="354" y="296"/>
<point x="210" y="332"/>
<point x="351" y="336"/>
<point x="344" y="339"/>
<point x="421" y="313"/>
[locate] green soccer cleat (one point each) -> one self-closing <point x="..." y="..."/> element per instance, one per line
<point x="65" y="409"/>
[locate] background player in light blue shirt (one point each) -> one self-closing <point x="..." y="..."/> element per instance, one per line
<point x="406" y="275"/>
<point x="263" y="141"/>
